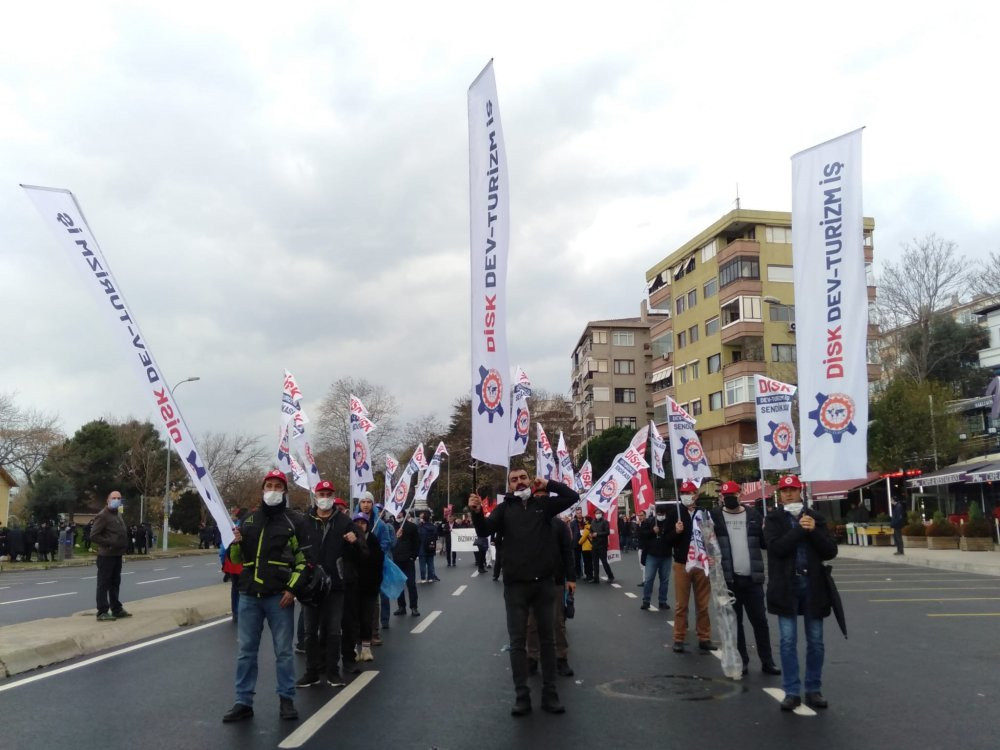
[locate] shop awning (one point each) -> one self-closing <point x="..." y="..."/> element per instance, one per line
<point x="837" y="489"/>
<point x="751" y="491"/>
<point x="948" y="475"/>
<point x="662" y="374"/>
<point x="988" y="473"/>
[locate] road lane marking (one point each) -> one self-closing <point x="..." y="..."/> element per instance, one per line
<point x="966" y="614"/>
<point x="157" y="580"/>
<point x="315" y="722"/>
<point x="889" y="579"/>
<point x="925" y="588"/>
<point x="630" y="595"/>
<point x="945" y="599"/>
<point x="88" y="578"/>
<point x="158" y="570"/>
<point x="187" y="566"/>
<point x="653" y="609"/>
<point x="102" y="657"/>
<point x="779" y="695"/>
<point x="670" y="623"/>
<point x="43" y="583"/>
<point x="36" y="598"/>
<point x="4" y="587"/>
<point x="130" y="573"/>
<point x="459" y="590"/>
<point x="427" y="621"/>
<point x="616" y="585"/>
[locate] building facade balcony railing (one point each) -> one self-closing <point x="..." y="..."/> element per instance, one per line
<point x="744" y="367"/>
<point x="660" y="328"/>
<point x="738" y="247"/>
<point x="740" y="412"/>
<point x="660" y="299"/>
<point x="742" y="329"/>
<point x="743" y="287"/>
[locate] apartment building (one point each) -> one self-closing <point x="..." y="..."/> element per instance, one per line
<point x="727" y="308"/>
<point x="610" y="374"/>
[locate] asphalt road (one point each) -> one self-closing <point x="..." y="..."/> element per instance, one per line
<point x="920" y="667"/>
<point x="34" y="594"/>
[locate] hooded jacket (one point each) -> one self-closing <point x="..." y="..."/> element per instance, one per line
<point x="755" y="543"/>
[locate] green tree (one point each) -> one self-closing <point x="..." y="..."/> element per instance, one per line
<point x="952" y="354"/>
<point x="186" y="515"/>
<point x="901" y="434"/>
<point x="50" y="495"/>
<point x="90" y="462"/>
<point x="603" y="448"/>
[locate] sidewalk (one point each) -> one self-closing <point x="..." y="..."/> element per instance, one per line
<point x="39" y="643"/>
<point x="984" y="563"/>
<point x="83" y="560"/>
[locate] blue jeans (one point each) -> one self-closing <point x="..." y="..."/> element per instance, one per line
<point x="788" y="627"/>
<point x="281" y="621"/>
<point x="656" y="565"/>
<point x="427" y="567"/>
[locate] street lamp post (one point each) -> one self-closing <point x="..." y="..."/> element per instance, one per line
<point x="166" y="491"/>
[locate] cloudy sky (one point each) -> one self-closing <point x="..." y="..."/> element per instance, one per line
<point x="287" y="187"/>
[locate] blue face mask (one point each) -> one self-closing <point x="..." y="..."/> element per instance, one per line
<point x="115" y="504"/>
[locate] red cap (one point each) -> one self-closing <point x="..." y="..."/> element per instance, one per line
<point x="324" y="485"/>
<point x="689" y="488"/>
<point x="340" y="501"/>
<point x="730" y="488"/>
<point x="789" y="480"/>
<point x="275" y="474"/>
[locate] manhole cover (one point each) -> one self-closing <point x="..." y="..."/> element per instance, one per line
<point x="670" y="688"/>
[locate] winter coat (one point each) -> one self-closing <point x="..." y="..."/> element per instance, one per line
<point x="600" y="531"/>
<point x="755" y="543"/>
<point x="109" y="533"/>
<point x="329" y="549"/>
<point x="273" y="551"/>
<point x="655" y="544"/>
<point x="782" y="538"/>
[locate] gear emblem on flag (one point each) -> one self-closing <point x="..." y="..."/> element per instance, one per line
<point x="521" y="424"/>
<point x="780" y="438"/>
<point x="490" y="393"/>
<point x="834" y="414"/>
<point x="691" y="452"/>
<point x="610" y="489"/>
<point x="360" y="458"/>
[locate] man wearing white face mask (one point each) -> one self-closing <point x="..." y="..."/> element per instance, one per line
<point x="111" y="537"/>
<point x="679" y="527"/>
<point x="798" y="542"/>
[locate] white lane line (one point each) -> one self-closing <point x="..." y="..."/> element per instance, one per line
<point x="88" y="578"/>
<point x="43" y="583"/>
<point x="127" y="649"/>
<point x="630" y="595"/>
<point x="616" y="585"/>
<point x="36" y="598"/>
<point x="779" y="695"/>
<point x="4" y="587"/>
<point x="475" y="574"/>
<point x="158" y="570"/>
<point x="717" y="654"/>
<point x="427" y="621"/>
<point x="130" y="573"/>
<point x="187" y="566"/>
<point x="459" y="590"/>
<point x="315" y="722"/>
<point x="653" y="609"/>
<point x="670" y="623"/>
<point x="157" y="580"/>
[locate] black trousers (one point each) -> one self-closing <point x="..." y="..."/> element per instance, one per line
<point x="750" y="596"/>
<point x="578" y="560"/>
<point x="897" y="538"/>
<point x="408" y="567"/>
<point x="535" y="597"/>
<point x="323" y="633"/>
<point x="109" y="581"/>
<point x="350" y="623"/>
<point x="601" y="556"/>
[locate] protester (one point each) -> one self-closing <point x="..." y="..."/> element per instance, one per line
<point x="523" y="519"/>
<point x="231" y="571"/>
<point x="586" y="544"/>
<point x="350" y="621"/>
<point x="624" y="532"/>
<point x="740" y="537"/>
<point x="404" y="555"/>
<point x="600" y="534"/>
<point x="680" y="523"/>
<point x="370" y="565"/>
<point x="641" y="546"/>
<point x="272" y="544"/>
<point x="386" y="536"/>
<point x="564" y="577"/>
<point x="111" y="537"/>
<point x="428" y="535"/>
<point x="897" y="522"/>
<point x="657" y="551"/>
<point x="798" y="542"/>
<point x="576" y="529"/>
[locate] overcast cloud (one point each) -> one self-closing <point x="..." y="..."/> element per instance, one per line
<point x="287" y="187"/>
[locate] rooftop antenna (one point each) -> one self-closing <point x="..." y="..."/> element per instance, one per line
<point x="737" y="196"/>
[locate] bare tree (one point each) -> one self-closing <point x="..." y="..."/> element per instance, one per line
<point x="426" y="429"/>
<point x="330" y="427"/>
<point x="930" y="275"/>
<point x="26" y="437"/>
<point x="236" y="461"/>
<point x="986" y="279"/>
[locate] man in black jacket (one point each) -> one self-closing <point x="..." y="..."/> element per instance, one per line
<point x="740" y="536"/>
<point x="565" y="580"/>
<point x="404" y="555"/>
<point x="111" y="537"/>
<point x="523" y="519"/>
<point x="798" y="542"/>
<point x="600" y="533"/>
<point x="658" y="554"/>
<point x="897" y="522"/>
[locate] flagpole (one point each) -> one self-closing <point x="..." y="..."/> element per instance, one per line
<point x="763" y="485"/>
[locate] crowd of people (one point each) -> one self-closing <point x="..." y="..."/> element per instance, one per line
<point x="44" y="542"/>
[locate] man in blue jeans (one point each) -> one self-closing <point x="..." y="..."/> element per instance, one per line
<point x="659" y="558"/>
<point x="271" y="543"/>
<point x="798" y="542"/>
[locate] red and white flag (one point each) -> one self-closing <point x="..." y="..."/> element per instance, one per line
<point x="642" y="492"/>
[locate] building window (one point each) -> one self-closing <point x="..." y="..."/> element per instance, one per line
<point x="663" y="346"/>
<point x="624" y="367"/>
<point x="778" y="235"/>
<point x="602" y="393"/>
<point x="710" y="289"/>
<point x="869" y="274"/>
<point x="680" y="304"/>
<point x="784" y="313"/>
<point x="741" y="308"/>
<point x="693" y="333"/>
<point x="739" y="390"/>
<point x="712" y="326"/>
<point x="741" y="267"/>
<point x="782" y="352"/>
<point x="623" y="338"/>
<point x="692" y="298"/>
<point x="602" y="423"/>
<point x="715" y="401"/>
<point x="714" y="363"/>
<point x="624" y="395"/>
<point x="682" y="374"/>
<point x="629" y="422"/>
<point x="780" y="274"/>
<point x="597" y="365"/>
<point x="693" y="369"/>
<point x="708" y="251"/>
<point x="682" y="339"/>
<point x="868" y="239"/>
<point x="599" y="337"/>
<point x="695" y="407"/>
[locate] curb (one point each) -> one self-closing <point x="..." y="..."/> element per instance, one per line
<point x="82" y="562"/>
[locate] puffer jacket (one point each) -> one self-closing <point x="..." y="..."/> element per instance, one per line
<point x="273" y="551"/>
<point x="755" y="543"/>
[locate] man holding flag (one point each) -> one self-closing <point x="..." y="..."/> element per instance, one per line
<point x="680" y="528"/>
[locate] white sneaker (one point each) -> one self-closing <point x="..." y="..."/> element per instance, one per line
<point x="366" y="654"/>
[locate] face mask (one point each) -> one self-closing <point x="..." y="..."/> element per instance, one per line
<point x="687" y="500"/>
<point x="523" y="494"/>
<point x="324" y="503"/>
<point x="273" y="498"/>
<point x="115" y="504"/>
<point x="793" y="508"/>
<point x="660" y="518"/>
<point x="598" y="516"/>
<point x="732" y="502"/>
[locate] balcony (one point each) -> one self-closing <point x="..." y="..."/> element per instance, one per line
<point x="660" y="299"/>
<point x="740" y="288"/>
<point x="740" y="412"/>
<point x="738" y="247"/>
<point x="733" y="333"/>
<point x="660" y="328"/>
<point x="871" y="294"/>
<point x="743" y="367"/>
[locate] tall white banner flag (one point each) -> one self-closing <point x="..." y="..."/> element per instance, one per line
<point x="490" y="230"/>
<point x="775" y="431"/>
<point x="545" y="463"/>
<point x="619" y="476"/>
<point x="585" y="479"/>
<point x="831" y="317"/>
<point x="63" y="215"/>
<point x="361" y="465"/>
<point x="521" y="416"/>
<point x="391" y="464"/>
<point x="566" y="474"/>
<point x="688" y="457"/>
<point x="295" y="456"/>
<point x="417" y="461"/>
<point x="659" y="446"/>
<point x="432" y="472"/>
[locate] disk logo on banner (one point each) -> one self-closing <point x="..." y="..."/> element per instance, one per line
<point x="522" y="417"/>
<point x="659" y="448"/>
<point x="490" y="393"/>
<point x="776" y="434"/>
<point x="689" y="460"/>
<point x="831" y="334"/>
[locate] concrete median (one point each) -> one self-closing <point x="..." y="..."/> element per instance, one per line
<point x="41" y="643"/>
